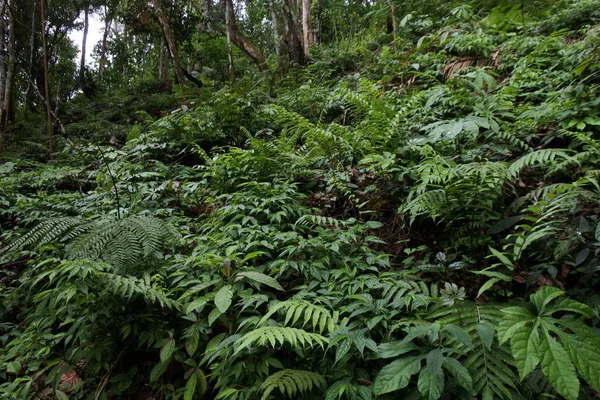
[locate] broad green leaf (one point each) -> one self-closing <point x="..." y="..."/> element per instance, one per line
<point x="543" y="296"/>
<point x="434" y="360"/>
<point x="486" y="333"/>
<point x="194" y="305"/>
<point x="566" y="304"/>
<point x="524" y="345"/>
<point x="514" y="318"/>
<point x="394" y="349"/>
<point x="158" y="370"/>
<point x="557" y="366"/>
<point x="193" y="339"/>
<point x="223" y="298"/>
<point x="342" y="349"/>
<point x="190" y="387"/>
<point x="585" y="356"/>
<point x="167" y="350"/>
<point x="431" y="384"/>
<point x="60" y="395"/>
<point x="396" y="375"/>
<point x="460" y="373"/>
<point x="503" y="259"/>
<point x="459" y="334"/>
<point x="487" y="285"/>
<point x="213" y="316"/>
<point x="260" y="278"/>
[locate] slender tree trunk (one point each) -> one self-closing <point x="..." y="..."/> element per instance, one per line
<point x="276" y="36"/>
<point x="291" y="35"/>
<point x="3" y="80"/>
<point x="104" y="49"/>
<point x="173" y="48"/>
<point x="394" y="24"/>
<point x="164" y="63"/>
<point x="229" y="14"/>
<point x="243" y="42"/>
<point x="31" y="52"/>
<point x="86" y="26"/>
<point x="306" y="26"/>
<point x="46" y="81"/>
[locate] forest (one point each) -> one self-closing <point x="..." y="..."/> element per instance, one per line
<point x="299" y="199"/>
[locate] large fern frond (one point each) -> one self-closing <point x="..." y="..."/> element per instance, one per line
<point x="305" y="312"/>
<point x="274" y="335"/>
<point x="291" y="382"/>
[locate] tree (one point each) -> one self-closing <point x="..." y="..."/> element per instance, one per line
<point x="171" y="42"/>
<point x="46" y="80"/>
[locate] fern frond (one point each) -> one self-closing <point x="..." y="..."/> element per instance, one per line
<point x="291" y="382"/>
<point x="48" y="231"/>
<point x="540" y="158"/>
<point x="489" y="364"/>
<point x="303" y="311"/>
<point x="274" y="335"/>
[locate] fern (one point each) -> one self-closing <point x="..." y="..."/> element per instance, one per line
<point x="489" y="363"/>
<point x="301" y="310"/>
<point x="274" y="335"/>
<point x="124" y="242"/>
<point x="291" y="382"/>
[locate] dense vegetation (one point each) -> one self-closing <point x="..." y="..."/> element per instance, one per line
<point x="406" y="207"/>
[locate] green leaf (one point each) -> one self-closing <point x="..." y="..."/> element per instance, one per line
<point x="167" y="350"/>
<point x="193" y="339"/>
<point x="514" y="318"/>
<point x="60" y="395"/>
<point x="190" y="387"/>
<point x="196" y="304"/>
<point x="460" y="373"/>
<point x="158" y="370"/>
<point x="505" y="260"/>
<point x="545" y="295"/>
<point x="13" y="367"/>
<point x="557" y="366"/>
<point x="585" y="356"/>
<point x="396" y="375"/>
<point x="566" y="304"/>
<point x="459" y="334"/>
<point x="431" y="384"/>
<point x="394" y="349"/>
<point x="213" y="316"/>
<point x="525" y="346"/>
<point x="260" y="278"/>
<point x="486" y="333"/>
<point x="434" y="360"/>
<point x="223" y="298"/>
<point x="487" y="285"/>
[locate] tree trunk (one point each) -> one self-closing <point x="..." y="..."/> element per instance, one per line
<point x="229" y="14"/>
<point x="306" y="26"/>
<point x="8" y="109"/>
<point x="292" y="40"/>
<point x="31" y="52"/>
<point x="172" y="44"/>
<point x="243" y="42"/>
<point x="86" y="26"/>
<point x="46" y="81"/>
<point x="164" y="63"/>
<point x="104" y="49"/>
<point x="394" y="24"/>
<point x="276" y="36"/>
<point x="3" y="76"/>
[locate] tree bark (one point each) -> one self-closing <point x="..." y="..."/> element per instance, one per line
<point x="292" y="40"/>
<point x="394" y="24"/>
<point x="172" y="44"/>
<point x="3" y="79"/>
<point x="306" y="27"/>
<point x="243" y="42"/>
<point x="46" y="81"/>
<point x="229" y="15"/>
<point x="276" y="35"/>
<point x="31" y="52"/>
<point x="104" y="49"/>
<point x="163" y="63"/>
<point x="86" y="26"/>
